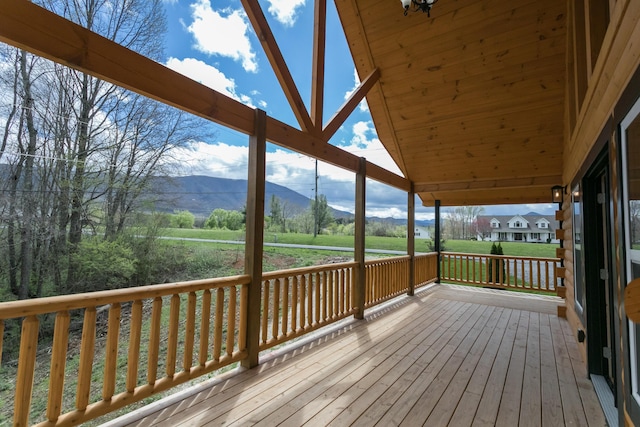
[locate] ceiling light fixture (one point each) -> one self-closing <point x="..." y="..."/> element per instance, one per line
<point x="423" y="5"/>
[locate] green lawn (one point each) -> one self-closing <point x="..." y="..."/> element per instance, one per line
<point x="542" y="250"/>
<point x="373" y="242"/>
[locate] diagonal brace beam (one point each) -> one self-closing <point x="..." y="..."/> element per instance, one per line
<point x="347" y="108"/>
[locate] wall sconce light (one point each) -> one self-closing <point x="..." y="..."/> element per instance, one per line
<point x="557" y="194"/>
<point x="423" y="5"/>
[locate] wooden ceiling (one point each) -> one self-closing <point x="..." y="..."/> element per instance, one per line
<point x="470" y="102"/>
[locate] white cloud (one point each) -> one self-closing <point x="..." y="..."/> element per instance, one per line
<point x="219" y="159"/>
<point x="209" y="76"/>
<point x="224" y="33"/>
<point x="365" y="143"/>
<point x="285" y="10"/>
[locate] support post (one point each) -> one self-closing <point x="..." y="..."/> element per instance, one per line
<point x="438" y="237"/>
<point x="255" y="234"/>
<point x="411" y="240"/>
<point x="560" y="225"/>
<point x="360" y="279"/>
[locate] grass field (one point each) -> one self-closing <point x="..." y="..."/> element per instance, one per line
<point x="542" y="250"/>
<point x="372" y="242"/>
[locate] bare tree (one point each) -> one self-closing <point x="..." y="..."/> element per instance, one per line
<point x="458" y="222"/>
<point x="482" y="227"/>
<point x="145" y="134"/>
<point x="74" y="145"/>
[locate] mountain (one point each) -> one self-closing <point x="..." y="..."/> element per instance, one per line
<point x="403" y="221"/>
<point x="200" y="195"/>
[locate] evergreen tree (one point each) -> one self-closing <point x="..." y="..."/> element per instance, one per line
<point x="494" y="251"/>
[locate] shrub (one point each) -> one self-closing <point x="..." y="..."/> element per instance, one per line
<point x="103" y="264"/>
<point x="183" y="219"/>
<point x="431" y="245"/>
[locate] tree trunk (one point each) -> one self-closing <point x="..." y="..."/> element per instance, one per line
<point x="28" y="208"/>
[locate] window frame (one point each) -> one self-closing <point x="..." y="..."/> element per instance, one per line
<point x="629" y="118"/>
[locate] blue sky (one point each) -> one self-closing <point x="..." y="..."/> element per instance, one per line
<point x="214" y="43"/>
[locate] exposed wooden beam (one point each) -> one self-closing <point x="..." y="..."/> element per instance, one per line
<point x="488" y="184"/>
<point x="312" y="146"/>
<point x="359" y="239"/>
<point x="317" y="71"/>
<point x="411" y="238"/>
<point x="271" y="49"/>
<point x="347" y="108"/>
<point x="386" y="177"/>
<point x="488" y="197"/>
<point x="34" y="29"/>
<point x="255" y="236"/>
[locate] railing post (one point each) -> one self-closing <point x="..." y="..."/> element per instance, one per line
<point x="26" y="369"/>
<point x="437" y="238"/>
<point x="359" y="291"/>
<point x="255" y="235"/>
<point x="411" y="240"/>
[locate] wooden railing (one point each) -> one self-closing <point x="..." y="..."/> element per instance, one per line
<point x="425" y="269"/>
<point x="386" y="278"/>
<point x="295" y="302"/>
<point x="509" y="272"/>
<point x="157" y="337"/>
<point x="201" y="330"/>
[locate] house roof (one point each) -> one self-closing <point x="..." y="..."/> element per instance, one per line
<point x="532" y="220"/>
<point x="470" y="101"/>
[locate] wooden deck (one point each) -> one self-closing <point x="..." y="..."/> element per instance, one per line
<point x="449" y="356"/>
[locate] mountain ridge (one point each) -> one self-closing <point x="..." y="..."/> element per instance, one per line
<point x="201" y="194"/>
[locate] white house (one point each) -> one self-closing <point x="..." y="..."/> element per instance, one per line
<point x="421" y="233"/>
<point x="518" y="228"/>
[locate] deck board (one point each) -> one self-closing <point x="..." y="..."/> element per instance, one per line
<point x="432" y="359"/>
<point x="550" y="392"/>
<point x="468" y="405"/>
<point x="492" y="392"/>
<point x="435" y="392"/>
<point x="448" y="403"/>
<point x="512" y="393"/>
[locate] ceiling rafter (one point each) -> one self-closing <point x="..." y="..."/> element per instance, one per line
<point x="347" y="108"/>
<point x="492" y="184"/>
<point x="317" y="71"/>
<point x="271" y="49"/>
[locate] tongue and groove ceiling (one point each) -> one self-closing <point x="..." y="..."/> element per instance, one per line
<point x="470" y="101"/>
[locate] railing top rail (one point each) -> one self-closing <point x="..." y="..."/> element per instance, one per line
<point x="306" y="270"/>
<point x="426" y="255"/>
<point x="503" y="256"/>
<point x="387" y="260"/>
<point x="13" y="309"/>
